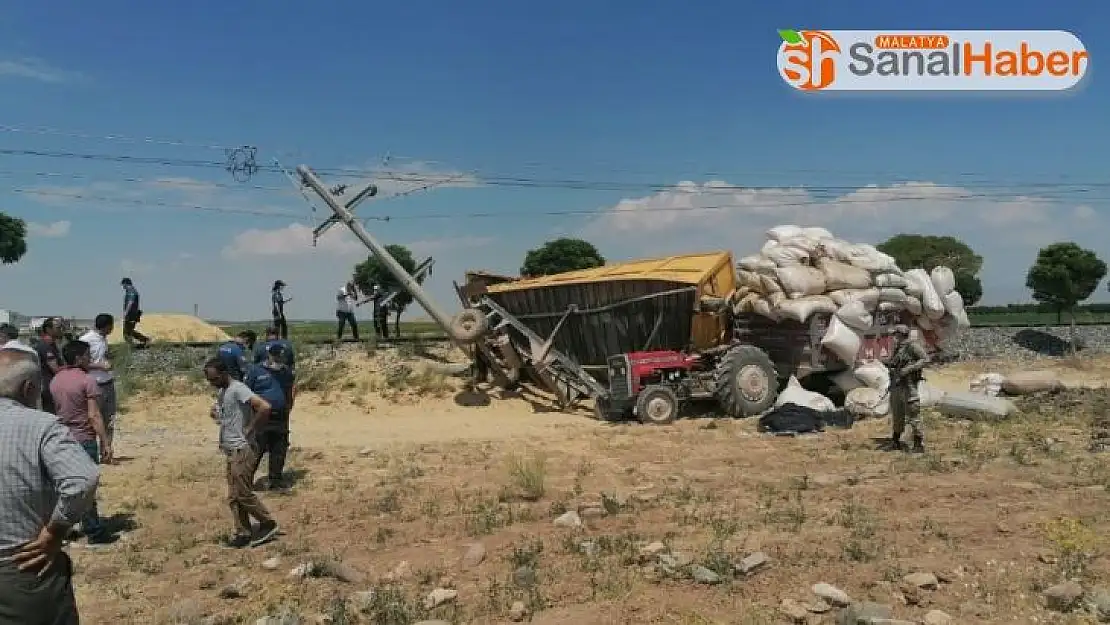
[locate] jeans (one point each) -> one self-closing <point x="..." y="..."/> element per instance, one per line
<point x="241" y="498"/>
<point x="29" y="599"/>
<point x="345" y="318"/>
<point x="107" y="404"/>
<point x="91" y="525"/>
<point x="281" y="326"/>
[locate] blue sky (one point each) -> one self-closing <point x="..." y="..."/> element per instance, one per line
<point x="636" y="95"/>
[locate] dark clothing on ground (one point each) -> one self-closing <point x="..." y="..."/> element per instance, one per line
<point x="241" y="498"/>
<point x="345" y="318"/>
<point x="27" y="599"/>
<point x="49" y="354"/>
<point x="795" y="419"/>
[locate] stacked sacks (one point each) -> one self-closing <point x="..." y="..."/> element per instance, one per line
<point x="803" y="271"/>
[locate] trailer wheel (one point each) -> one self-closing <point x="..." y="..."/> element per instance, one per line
<point x="657" y="405"/>
<point x="746" y="381"/>
<point x="469" y="325"/>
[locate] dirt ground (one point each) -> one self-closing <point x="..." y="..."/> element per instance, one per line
<point x="391" y="493"/>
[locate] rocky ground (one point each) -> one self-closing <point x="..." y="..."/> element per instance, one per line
<point x="508" y="511"/>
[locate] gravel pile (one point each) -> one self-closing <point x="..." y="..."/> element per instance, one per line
<point x="1022" y="344"/>
<point x="1026" y="343"/>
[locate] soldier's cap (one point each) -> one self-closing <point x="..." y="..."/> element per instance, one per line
<point x="901" y="328"/>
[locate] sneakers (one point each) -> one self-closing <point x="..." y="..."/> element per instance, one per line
<point x="266" y="532"/>
<point x="238" y="541"/>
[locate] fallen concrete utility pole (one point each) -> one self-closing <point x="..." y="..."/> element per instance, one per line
<point x="467" y="327"/>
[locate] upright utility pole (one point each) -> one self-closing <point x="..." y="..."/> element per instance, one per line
<point x="344" y="215"/>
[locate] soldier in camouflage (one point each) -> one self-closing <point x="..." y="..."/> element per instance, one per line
<point x="906" y="367"/>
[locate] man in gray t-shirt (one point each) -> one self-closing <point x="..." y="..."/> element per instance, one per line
<point x="240" y="412"/>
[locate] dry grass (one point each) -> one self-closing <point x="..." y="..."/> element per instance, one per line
<point x="390" y="496"/>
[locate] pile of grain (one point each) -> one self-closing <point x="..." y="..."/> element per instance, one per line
<point x="170" y="328"/>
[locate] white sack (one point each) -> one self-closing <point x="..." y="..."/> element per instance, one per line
<point x="757" y="264"/>
<point x="800" y="280"/>
<point x="890" y="280"/>
<point x="776" y="298"/>
<point x="842" y="341"/>
<point x="855" y="315"/>
<point x="802" y="308"/>
<point x="974" y="406"/>
<point x="914" y="286"/>
<point x="835" y="249"/>
<point x="746" y="303"/>
<point x="816" y="233"/>
<point x="931" y="303"/>
<point x="840" y="275"/>
<point x="784" y="255"/>
<point x="795" y="394"/>
<point x="778" y="233"/>
<point x="1027" y="382"/>
<point x="749" y="279"/>
<point x="868" y="297"/>
<point x="873" y="374"/>
<point x="989" y="384"/>
<point x="768" y="285"/>
<point x="847" y="381"/>
<point x="891" y="307"/>
<point x="954" y="304"/>
<point x="763" y="307"/>
<point x="867" y="257"/>
<point x="895" y="296"/>
<point x="867" y="402"/>
<point x="944" y="281"/>
<point x="801" y="242"/>
<point x="913" y="305"/>
<point x="924" y="323"/>
<point x="945" y="327"/>
<point x="929" y="395"/>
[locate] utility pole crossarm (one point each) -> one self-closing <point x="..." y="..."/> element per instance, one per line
<point x="343" y="214"/>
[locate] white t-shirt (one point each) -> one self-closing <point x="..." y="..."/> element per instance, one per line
<point x="344" y="303"/>
<point x="98" y="354"/>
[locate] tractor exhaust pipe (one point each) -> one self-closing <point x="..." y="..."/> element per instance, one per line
<point x="466" y="327"/>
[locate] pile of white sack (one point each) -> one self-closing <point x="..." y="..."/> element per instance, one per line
<point x="803" y="271"/>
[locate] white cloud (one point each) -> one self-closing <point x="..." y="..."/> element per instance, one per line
<point x="130" y="267"/>
<point x="292" y="240"/>
<point x="53" y="230"/>
<point x="36" y="69"/>
<point x="1005" y="227"/>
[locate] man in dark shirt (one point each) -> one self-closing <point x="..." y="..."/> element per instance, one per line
<point x="277" y="308"/>
<point x="50" y="359"/>
<point x="262" y="349"/>
<point x="273" y="381"/>
<point x="233" y="353"/>
<point x="131" y="314"/>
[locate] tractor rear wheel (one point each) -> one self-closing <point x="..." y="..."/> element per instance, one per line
<point x="746" y="381"/>
<point x="657" y="405"/>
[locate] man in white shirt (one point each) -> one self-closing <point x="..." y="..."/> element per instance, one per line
<point x="9" y="339"/>
<point x="345" y="310"/>
<point x="100" y="369"/>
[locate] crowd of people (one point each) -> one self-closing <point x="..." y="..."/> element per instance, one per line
<point x="58" y="417"/>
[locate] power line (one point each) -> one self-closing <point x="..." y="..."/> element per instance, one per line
<point x="506" y="181"/>
<point x="530" y="214"/>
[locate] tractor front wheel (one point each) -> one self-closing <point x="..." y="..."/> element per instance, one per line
<point x="746" y="381"/>
<point x="657" y="405"/>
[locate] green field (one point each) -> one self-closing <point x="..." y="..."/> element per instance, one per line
<point x="1034" y="318"/>
<point x="316" y="331"/>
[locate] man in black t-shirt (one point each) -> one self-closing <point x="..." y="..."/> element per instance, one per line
<point x="50" y="358"/>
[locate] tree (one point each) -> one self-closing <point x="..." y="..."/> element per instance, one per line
<point x="559" y="256"/>
<point x="13" y="239"/>
<point x="925" y="251"/>
<point x="1063" y="276"/>
<point x="969" y="287"/>
<point x="372" y="271"/>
